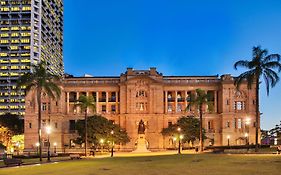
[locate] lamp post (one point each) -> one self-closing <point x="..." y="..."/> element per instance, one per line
<point x="37" y="147"/>
<point x="48" y="131"/>
<point x="247" y="125"/>
<point x="179" y="147"/>
<point x="228" y="137"/>
<point x="112" y="132"/>
<point x="55" y="147"/>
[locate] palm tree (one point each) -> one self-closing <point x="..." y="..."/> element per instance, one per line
<point x="85" y="102"/>
<point x="40" y="80"/>
<point x="261" y="65"/>
<point x="199" y="100"/>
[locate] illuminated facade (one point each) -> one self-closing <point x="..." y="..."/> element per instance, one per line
<point x="30" y="31"/>
<point x="149" y="96"/>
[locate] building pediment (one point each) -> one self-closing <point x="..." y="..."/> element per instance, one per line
<point x="143" y="76"/>
<point x="141" y="80"/>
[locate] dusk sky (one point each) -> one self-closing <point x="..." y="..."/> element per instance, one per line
<point x="179" y="37"/>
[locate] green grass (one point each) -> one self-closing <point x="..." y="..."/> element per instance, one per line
<point x="198" y="164"/>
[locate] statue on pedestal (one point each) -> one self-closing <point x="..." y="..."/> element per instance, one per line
<point x="141" y="143"/>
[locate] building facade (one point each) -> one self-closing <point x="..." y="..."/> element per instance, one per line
<point x="149" y="96"/>
<point x="30" y="31"/>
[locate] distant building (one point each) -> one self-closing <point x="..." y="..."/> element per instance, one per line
<point x="272" y="136"/>
<point x="148" y="96"/>
<point x="30" y="31"/>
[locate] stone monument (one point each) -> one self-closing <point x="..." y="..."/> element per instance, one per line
<point x="141" y="141"/>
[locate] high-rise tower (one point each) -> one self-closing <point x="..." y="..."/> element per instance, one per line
<point x="30" y="31"/>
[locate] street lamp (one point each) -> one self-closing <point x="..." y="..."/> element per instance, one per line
<point x="179" y="147"/>
<point x="112" y="132"/>
<point x="48" y="131"/>
<point x="55" y="147"/>
<point x="228" y="137"/>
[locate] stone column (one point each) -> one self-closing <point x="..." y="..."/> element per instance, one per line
<point x="97" y="102"/>
<point x="67" y="102"/>
<point x="205" y="106"/>
<point x="176" y="101"/>
<point x="77" y="108"/>
<point x="106" y="100"/>
<point x="116" y="102"/>
<point x="185" y="102"/>
<point x="166" y="102"/>
<point x="215" y="101"/>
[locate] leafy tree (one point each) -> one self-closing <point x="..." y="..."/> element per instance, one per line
<point x="40" y="80"/>
<point x="189" y="128"/>
<point x="261" y="65"/>
<point x="198" y="101"/>
<point x="14" y="123"/>
<point x="100" y="128"/>
<point x="86" y="102"/>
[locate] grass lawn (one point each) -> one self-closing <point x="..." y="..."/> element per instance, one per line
<point x="197" y="164"/>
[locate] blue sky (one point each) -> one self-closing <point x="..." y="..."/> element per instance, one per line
<point x="179" y="37"/>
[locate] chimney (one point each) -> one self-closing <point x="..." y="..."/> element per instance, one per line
<point x="129" y="71"/>
<point x="153" y="71"/>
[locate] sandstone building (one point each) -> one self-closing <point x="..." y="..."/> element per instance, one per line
<point x="149" y="96"/>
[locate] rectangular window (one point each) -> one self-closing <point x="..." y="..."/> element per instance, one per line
<point x="103" y="108"/>
<point x="239" y="105"/>
<point x="239" y="123"/>
<point x="113" y="97"/>
<point x="170" y="124"/>
<point x="228" y="124"/>
<point x="30" y="125"/>
<point x="71" y="125"/>
<point x="44" y="106"/>
<point x="210" y="124"/>
<point x="113" y="108"/>
<point x="103" y="94"/>
<point x="170" y="108"/>
<point x="56" y="125"/>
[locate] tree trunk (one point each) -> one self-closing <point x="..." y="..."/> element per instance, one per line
<point x="86" y="134"/>
<point x="39" y="90"/>
<point x="201" y="128"/>
<point x="257" y="114"/>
